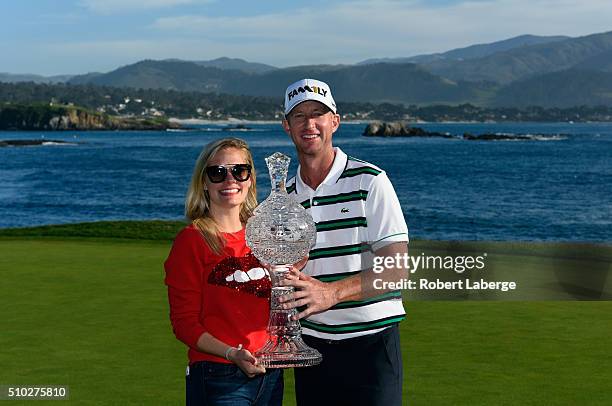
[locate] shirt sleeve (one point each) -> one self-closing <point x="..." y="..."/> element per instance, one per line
<point x="184" y="272"/>
<point x="384" y="215"/>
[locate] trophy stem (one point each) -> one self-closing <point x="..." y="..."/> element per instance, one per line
<point x="285" y="348"/>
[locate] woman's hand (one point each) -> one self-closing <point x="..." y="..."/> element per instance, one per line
<point x="246" y="362"/>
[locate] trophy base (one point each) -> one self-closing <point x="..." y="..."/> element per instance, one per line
<point x="288" y="353"/>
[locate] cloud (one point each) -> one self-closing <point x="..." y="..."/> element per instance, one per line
<point x="350" y="31"/>
<point x="110" y="55"/>
<point x="58" y="19"/>
<point x="345" y="32"/>
<point x="118" y="6"/>
<point x="129" y="50"/>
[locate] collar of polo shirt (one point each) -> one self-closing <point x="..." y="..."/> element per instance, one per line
<point x="332" y="177"/>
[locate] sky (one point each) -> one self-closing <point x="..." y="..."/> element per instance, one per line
<point x="52" y="37"/>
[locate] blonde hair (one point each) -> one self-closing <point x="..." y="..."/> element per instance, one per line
<point x="197" y="203"/>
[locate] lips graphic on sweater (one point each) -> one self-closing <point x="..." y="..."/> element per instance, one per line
<point x="244" y="274"/>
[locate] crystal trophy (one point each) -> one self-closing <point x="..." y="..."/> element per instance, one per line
<point x="281" y="233"/>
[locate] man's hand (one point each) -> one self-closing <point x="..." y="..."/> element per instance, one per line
<point x="319" y="296"/>
<point x="301" y="264"/>
<point x="315" y="295"/>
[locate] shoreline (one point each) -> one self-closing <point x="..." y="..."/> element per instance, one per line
<point x="164" y="229"/>
<point x="236" y="121"/>
<point x="185" y="123"/>
<point x="230" y="121"/>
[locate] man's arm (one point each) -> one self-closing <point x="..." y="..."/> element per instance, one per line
<point x="319" y="296"/>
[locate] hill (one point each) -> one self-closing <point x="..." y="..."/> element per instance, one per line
<point x="400" y="83"/>
<point x="376" y="83"/>
<point x="472" y="51"/>
<point x="574" y="87"/>
<point x="474" y="74"/>
<point x="516" y="72"/>
<point x="520" y="63"/>
<point x="157" y="103"/>
<point x="237" y="64"/>
<point x="174" y="74"/>
<point x="16" y="78"/>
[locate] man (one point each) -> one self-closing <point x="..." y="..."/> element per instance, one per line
<point x="344" y="316"/>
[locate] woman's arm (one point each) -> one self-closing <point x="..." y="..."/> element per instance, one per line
<point x="184" y="280"/>
<point x="238" y="355"/>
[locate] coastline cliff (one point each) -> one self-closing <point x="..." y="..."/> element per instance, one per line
<point x="39" y="117"/>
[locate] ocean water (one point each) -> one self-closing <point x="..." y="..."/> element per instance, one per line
<point x="558" y="189"/>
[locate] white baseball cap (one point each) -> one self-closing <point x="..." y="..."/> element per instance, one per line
<point x="308" y="89"/>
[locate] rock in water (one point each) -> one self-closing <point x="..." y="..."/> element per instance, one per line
<point x="399" y="129"/>
<point x="29" y="143"/>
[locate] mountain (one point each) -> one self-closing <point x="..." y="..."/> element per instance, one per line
<point x="600" y="62"/>
<point x="472" y="51"/>
<point x="83" y="79"/>
<point x="520" y="63"/>
<point x="397" y="83"/>
<point x="15" y="78"/>
<point x="568" y="88"/>
<point x="377" y="83"/>
<point x="223" y="63"/>
<point x="514" y="72"/>
<point x="230" y="63"/>
<point x="482" y="50"/>
<point x="237" y="64"/>
<point x="174" y="74"/>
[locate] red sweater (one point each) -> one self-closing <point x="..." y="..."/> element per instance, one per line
<point x="225" y="295"/>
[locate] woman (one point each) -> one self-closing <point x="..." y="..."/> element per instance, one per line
<point x="218" y="292"/>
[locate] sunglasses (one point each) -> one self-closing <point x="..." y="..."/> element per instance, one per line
<point x="218" y="173"/>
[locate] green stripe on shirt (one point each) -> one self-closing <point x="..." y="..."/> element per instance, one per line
<point x="339" y="224"/>
<point x="340" y="198"/>
<point x="338" y="251"/>
<point x="352" y="327"/>
<point x="394" y="295"/>
<point x="364" y="170"/>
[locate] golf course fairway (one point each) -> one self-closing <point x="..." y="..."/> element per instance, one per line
<point x="92" y="313"/>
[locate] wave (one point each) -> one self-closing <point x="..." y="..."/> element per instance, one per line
<point x="242" y="129"/>
<point x="504" y="136"/>
<point x="540" y="137"/>
<point x="48" y="143"/>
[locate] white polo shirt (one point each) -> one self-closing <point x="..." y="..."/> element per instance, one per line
<point x="356" y="211"/>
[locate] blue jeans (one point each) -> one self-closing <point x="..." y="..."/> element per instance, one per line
<point x="212" y="384"/>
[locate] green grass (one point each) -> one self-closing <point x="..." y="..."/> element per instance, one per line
<point x="507" y="353"/>
<point x="92" y="314"/>
<point x="542" y="271"/>
<point x="138" y="230"/>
